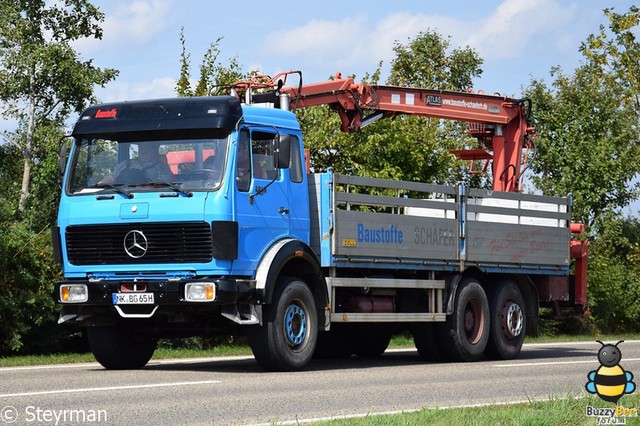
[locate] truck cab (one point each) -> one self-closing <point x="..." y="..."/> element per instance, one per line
<point x="167" y="208"/>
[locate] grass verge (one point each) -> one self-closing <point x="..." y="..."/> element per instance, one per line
<point x="569" y="410"/>
<point x="160" y="353"/>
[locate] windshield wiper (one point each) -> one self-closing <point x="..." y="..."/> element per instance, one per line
<point x="116" y="188"/>
<point x="171" y="186"/>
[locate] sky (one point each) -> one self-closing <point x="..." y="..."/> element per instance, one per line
<point x="517" y="39"/>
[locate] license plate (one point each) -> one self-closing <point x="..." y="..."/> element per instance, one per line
<point x="132" y="298"/>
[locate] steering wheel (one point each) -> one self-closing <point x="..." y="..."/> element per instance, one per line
<point x="206" y="174"/>
<point x="132" y="176"/>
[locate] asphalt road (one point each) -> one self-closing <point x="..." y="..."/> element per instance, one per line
<point x="235" y="391"/>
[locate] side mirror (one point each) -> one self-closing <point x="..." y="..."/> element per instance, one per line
<point x="283" y="151"/>
<point x="62" y="159"/>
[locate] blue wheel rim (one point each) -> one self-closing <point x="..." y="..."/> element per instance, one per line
<point x="295" y="325"/>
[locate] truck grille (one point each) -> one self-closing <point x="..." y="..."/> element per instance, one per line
<point x="137" y="243"/>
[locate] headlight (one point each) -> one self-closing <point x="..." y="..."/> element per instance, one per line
<point x="200" y="292"/>
<point x="74" y="293"/>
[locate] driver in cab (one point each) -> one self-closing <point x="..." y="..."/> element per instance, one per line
<point x="148" y="166"/>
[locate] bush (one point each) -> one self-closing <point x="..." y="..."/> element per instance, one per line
<point x="614" y="277"/>
<point x="613" y="294"/>
<point x="27" y="273"/>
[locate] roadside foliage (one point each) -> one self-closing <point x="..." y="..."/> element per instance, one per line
<point x="588" y="145"/>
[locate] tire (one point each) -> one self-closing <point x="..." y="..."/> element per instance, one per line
<point x="371" y="344"/>
<point x="508" y="322"/>
<point x="464" y="336"/>
<point x="119" y="348"/>
<point x="426" y="341"/>
<point x="287" y="339"/>
<point x="334" y="344"/>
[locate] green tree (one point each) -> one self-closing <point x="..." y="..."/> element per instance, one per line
<point x="616" y="48"/>
<point x="27" y="268"/>
<point x="428" y="61"/>
<point x="215" y="78"/>
<point x="587" y="124"/>
<point x="42" y="78"/>
<point x="41" y="207"/>
<point x="586" y="142"/>
<point x="42" y="81"/>
<point x="406" y="147"/>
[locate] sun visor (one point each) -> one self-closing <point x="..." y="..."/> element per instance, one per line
<point x="199" y="114"/>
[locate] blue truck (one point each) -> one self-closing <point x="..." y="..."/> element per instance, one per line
<point x="200" y="217"/>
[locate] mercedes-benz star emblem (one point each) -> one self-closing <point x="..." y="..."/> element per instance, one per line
<point x="135" y="244"/>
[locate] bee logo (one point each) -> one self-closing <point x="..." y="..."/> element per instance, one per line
<point x="610" y="381"/>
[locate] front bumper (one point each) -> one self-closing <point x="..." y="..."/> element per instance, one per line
<point x="166" y="293"/>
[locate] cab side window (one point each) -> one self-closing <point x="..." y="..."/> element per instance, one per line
<point x="263" y="149"/>
<point x="243" y="166"/>
<point x="295" y="163"/>
<point x="256" y="157"/>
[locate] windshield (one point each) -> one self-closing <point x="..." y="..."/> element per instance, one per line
<point x="179" y="165"/>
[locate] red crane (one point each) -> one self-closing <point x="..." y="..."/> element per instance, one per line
<point x="499" y="123"/>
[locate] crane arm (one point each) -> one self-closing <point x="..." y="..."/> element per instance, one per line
<point x="500" y="122"/>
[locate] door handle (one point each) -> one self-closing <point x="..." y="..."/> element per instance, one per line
<point x="283" y="210"/>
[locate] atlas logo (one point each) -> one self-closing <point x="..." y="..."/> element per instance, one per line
<point x="111" y="113"/>
<point x="135" y="244"/>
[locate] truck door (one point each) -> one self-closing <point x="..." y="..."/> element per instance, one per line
<point x="261" y="198"/>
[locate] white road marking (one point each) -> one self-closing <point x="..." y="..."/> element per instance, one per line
<point x="575" y="343"/>
<point x="110" y="388"/>
<point x="535" y="364"/>
<point x="49" y="367"/>
<point x="150" y="364"/>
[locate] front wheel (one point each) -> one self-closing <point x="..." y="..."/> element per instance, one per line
<point x="120" y="348"/>
<point x="287" y="339"/>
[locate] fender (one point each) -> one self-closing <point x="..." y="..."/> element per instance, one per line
<point x="289" y="257"/>
<point x="452" y="288"/>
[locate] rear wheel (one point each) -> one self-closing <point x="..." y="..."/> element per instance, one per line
<point x="426" y="341"/>
<point x="287" y="339"/>
<point x="508" y="322"/>
<point x="334" y="344"/>
<point x="464" y="336"/>
<point x="120" y="348"/>
<point x="371" y="343"/>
